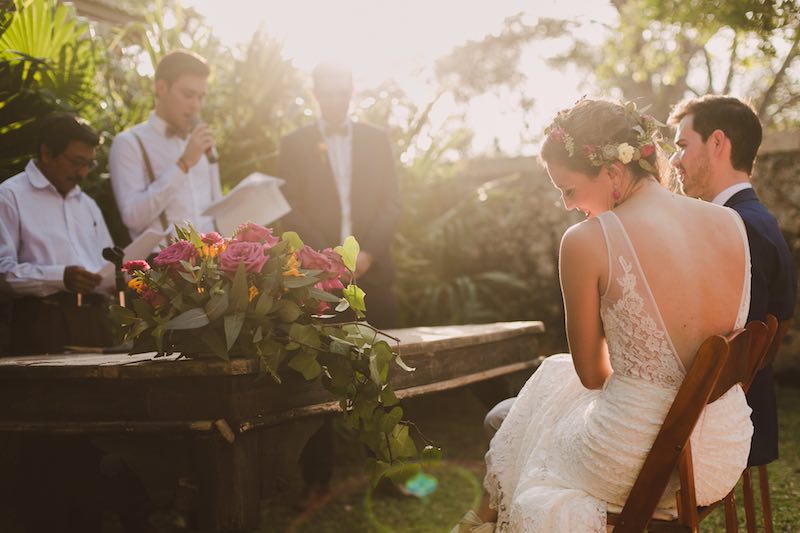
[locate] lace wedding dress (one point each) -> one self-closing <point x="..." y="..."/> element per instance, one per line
<point x="564" y="451"/>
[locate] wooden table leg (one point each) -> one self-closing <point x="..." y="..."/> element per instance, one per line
<point x="230" y="494"/>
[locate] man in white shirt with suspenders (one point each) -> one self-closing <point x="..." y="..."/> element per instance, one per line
<point x="164" y="170"/>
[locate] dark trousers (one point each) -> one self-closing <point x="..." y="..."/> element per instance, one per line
<point x="46" y="325"/>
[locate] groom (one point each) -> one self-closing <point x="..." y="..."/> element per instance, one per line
<point x="717" y="139"/>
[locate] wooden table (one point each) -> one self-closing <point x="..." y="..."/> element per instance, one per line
<point x="225" y="406"/>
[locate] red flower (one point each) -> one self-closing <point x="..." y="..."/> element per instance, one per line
<point x="589" y="150"/>
<point x="212" y="238"/>
<point x="140" y="265"/>
<point x="251" y="232"/>
<point x="252" y="254"/>
<point x="647" y="150"/>
<point x="172" y="255"/>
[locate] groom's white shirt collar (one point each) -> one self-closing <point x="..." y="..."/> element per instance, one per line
<point x="728" y="193"/>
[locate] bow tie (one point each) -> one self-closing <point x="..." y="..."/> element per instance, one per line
<point x="333" y="131"/>
<point x="172" y="131"/>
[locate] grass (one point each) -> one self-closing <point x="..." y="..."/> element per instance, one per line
<point x="454" y="421"/>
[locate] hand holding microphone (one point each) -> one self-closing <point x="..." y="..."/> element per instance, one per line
<point x="201" y="140"/>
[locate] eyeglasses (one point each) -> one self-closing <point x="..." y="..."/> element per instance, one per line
<point x="79" y="162"/>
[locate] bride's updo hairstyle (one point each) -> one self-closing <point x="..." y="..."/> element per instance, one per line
<point x="594" y="133"/>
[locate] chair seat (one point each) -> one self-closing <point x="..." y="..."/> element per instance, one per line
<point x="659" y="514"/>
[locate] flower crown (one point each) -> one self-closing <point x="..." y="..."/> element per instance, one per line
<point x="646" y="126"/>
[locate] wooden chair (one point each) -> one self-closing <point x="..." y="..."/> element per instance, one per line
<point x="720" y="363"/>
<point x="777" y="331"/>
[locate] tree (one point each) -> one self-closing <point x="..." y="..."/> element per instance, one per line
<point x="662" y="51"/>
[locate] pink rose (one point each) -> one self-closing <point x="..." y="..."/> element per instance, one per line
<point x="252" y="254"/>
<point x="647" y="150"/>
<point x="130" y="266"/>
<point x="172" y="255"/>
<point x="212" y="238"/>
<point x="329" y="262"/>
<point x="251" y="232"/>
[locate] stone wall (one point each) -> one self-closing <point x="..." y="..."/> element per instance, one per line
<point x="776" y="179"/>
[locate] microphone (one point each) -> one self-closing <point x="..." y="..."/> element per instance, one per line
<point x="116" y="255"/>
<point x="211" y="152"/>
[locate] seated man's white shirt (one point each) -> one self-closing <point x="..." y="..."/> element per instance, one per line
<point x="183" y="197"/>
<point x="340" y="155"/>
<point x="42" y="232"/>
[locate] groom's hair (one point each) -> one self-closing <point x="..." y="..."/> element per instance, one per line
<point x="736" y="119"/>
<point x="181" y="62"/>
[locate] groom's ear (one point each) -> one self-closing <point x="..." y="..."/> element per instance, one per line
<point x="717" y="141"/>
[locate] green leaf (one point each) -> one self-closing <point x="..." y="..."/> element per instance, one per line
<point x="257" y="335"/>
<point x="263" y="304"/>
<point x="143" y="309"/>
<point x="239" y="294"/>
<point x="294" y="240"/>
<point x="323" y="296"/>
<point x="216" y="305"/>
<point x="305" y="335"/>
<point x="401" y="443"/>
<point x="233" y="326"/>
<point x="294" y="282"/>
<point x="306" y="363"/>
<point x="191" y="319"/>
<point x="214" y="341"/>
<point x="355" y="297"/>
<point x="349" y="252"/>
<point x="387" y="396"/>
<point x="122" y="315"/>
<point x="391" y="419"/>
<point x="379" y="359"/>
<point x="289" y="311"/>
<point x="343" y="305"/>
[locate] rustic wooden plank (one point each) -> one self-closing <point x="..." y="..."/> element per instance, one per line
<point x="413" y="341"/>
<point x="410" y="392"/>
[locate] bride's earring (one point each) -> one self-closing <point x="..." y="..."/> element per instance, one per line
<point x="616" y="195"/>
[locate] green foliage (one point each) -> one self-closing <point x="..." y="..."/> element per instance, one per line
<point x="47" y="63"/>
<point x="200" y="302"/>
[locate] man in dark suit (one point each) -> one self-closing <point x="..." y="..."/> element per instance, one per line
<point x="718" y="139"/>
<point x="340" y="180"/>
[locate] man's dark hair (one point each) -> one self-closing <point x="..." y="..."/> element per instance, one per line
<point x="736" y="119"/>
<point x="57" y="130"/>
<point x="179" y="62"/>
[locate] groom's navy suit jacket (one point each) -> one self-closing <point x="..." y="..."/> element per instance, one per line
<point x="316" y="212"/>
<point x="773" y="291"/>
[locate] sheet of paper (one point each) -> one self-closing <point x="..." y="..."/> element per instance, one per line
<point x="257" y="198"/>
<point x="140" y="248"/>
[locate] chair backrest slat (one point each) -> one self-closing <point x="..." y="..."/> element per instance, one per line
<point x="686" y="408"/>
<point x="720" y="363"/>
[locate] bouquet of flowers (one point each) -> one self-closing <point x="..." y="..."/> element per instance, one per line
<point x="259" y="295"/>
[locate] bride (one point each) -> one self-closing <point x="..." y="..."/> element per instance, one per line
<point x="646" y="278"/>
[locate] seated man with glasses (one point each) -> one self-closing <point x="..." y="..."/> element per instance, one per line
<point x="51" y="240"/>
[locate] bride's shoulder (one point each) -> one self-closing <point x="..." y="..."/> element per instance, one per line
<point x="583" y="238"/>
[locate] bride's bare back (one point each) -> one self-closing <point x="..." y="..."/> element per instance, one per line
<point x="693" y="256"/>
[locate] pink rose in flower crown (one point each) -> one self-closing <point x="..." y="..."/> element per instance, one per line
<point x="130" y="266"/>
<point x="251" y="232"/>
<point x="252" y="254"/>
<point x="647" y="150"/>
<point x="212" y="238"/>
<point x="172" y="255"/>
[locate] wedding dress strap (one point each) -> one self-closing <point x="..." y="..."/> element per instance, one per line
<point x="744" y="301"/>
